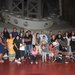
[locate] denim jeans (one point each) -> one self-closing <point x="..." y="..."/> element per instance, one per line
<point x="28" y="49"/>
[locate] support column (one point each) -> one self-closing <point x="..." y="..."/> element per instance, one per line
<point x="0" y="5"/>
<point x="34" y="8"/>
<point x="22" y="7"/>
<point x="60" y="7"/>
<point x="10" y="5"/>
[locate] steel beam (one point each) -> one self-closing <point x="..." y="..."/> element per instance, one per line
<point x="34" y="8"/>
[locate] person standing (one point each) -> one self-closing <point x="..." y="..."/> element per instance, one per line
<point x="28" y="41"/>
<point x="16" y="48"/>
<point x="5" y="33"/>
<point x="14" y="33"/>
<point x="22" y="49"/>
<point x="10" y="48"/>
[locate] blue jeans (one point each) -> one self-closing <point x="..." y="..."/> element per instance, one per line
<point x="28" y="49"/>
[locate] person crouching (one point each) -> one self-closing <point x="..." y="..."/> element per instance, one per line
<point x="34" y="55"/>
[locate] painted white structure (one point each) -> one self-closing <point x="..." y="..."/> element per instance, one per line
<point x="27" y="23"/>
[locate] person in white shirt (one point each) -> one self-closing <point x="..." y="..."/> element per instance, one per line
<point x="34" y="38"/>
<point x="22" y="49"/>
<point x="56" y="44"/>
<point x="45" y="36"/>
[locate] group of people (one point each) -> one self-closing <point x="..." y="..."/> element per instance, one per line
<point x="27" y="45"/>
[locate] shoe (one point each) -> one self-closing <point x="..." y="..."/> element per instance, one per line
<point x="19" y="59"/>
<point x="31" y="62"/>
<point x="1" y="61"/>
<point x="36" y="62"/>
<point x="18" y="62"/>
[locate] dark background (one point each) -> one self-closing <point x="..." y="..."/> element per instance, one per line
<point x="68" y="8"/>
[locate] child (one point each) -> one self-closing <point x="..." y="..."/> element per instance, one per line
<point x="44" y="52"/>
<point x="52" y="51"/>
<point x="56" y="44"/>
<point x="43" y="41"/>
<point x="22" y="49"/>
<point x="34" y="55"/>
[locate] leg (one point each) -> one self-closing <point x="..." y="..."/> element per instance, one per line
<point x="1" y="56"/>
<point x="43" y="55"/>
<point x="32" y="59"/>
<point x="36" y="59"/>
<point x="11" y="57"/>
<point x="30" y="46"/>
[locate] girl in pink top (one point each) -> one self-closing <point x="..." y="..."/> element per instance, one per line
<point x="34" y="55"/>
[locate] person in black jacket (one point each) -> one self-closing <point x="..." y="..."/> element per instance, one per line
<point x="5" y="33"/>
<point x="72" y="42"/>
<point x="16" y="48"/>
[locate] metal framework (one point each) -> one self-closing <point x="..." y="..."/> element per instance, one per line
<point x="16" y="6"/>
<point x="32" y="8"/>
<point x="60" y="7"/>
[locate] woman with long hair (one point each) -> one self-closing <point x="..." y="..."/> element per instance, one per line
<point x="10" y="48"/>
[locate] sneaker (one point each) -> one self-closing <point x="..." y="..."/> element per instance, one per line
<point x="36" y="62"/>
<point x="1" y="61"/>
<point x="19" y="59"/>
<point x="18" y="62"/>
<point x="31" y="62"/>
<point x="22" y="58"/>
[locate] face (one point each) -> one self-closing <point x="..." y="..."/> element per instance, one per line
<point x="5" y="29"/>
<point x="35" y="33"/>
<point x="1" y="34"/>
<point x="73" y="33"/>
<point x="38" y="35"/>
<point x="17" y="37"/>
<point x="59" y="32"/>
<point x="22" y="30"/>
<point x="56" y="40"/>
<point x="51" y="33"/>
<point x="29" y="32"/>
<point x="42" y="32"/>
<point x="43" y="47"/>
<point x="53" y="36"/>
<point x="34" y="48"/>
<point x="43" y="37"/>
<point x="23" y="40"/>
<point x="26" y="33"/>
<point x="14" y="29"/>
<point x="66" y="33"/>
<point x="21" y="34"/>
<point x="10" y="35"/>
